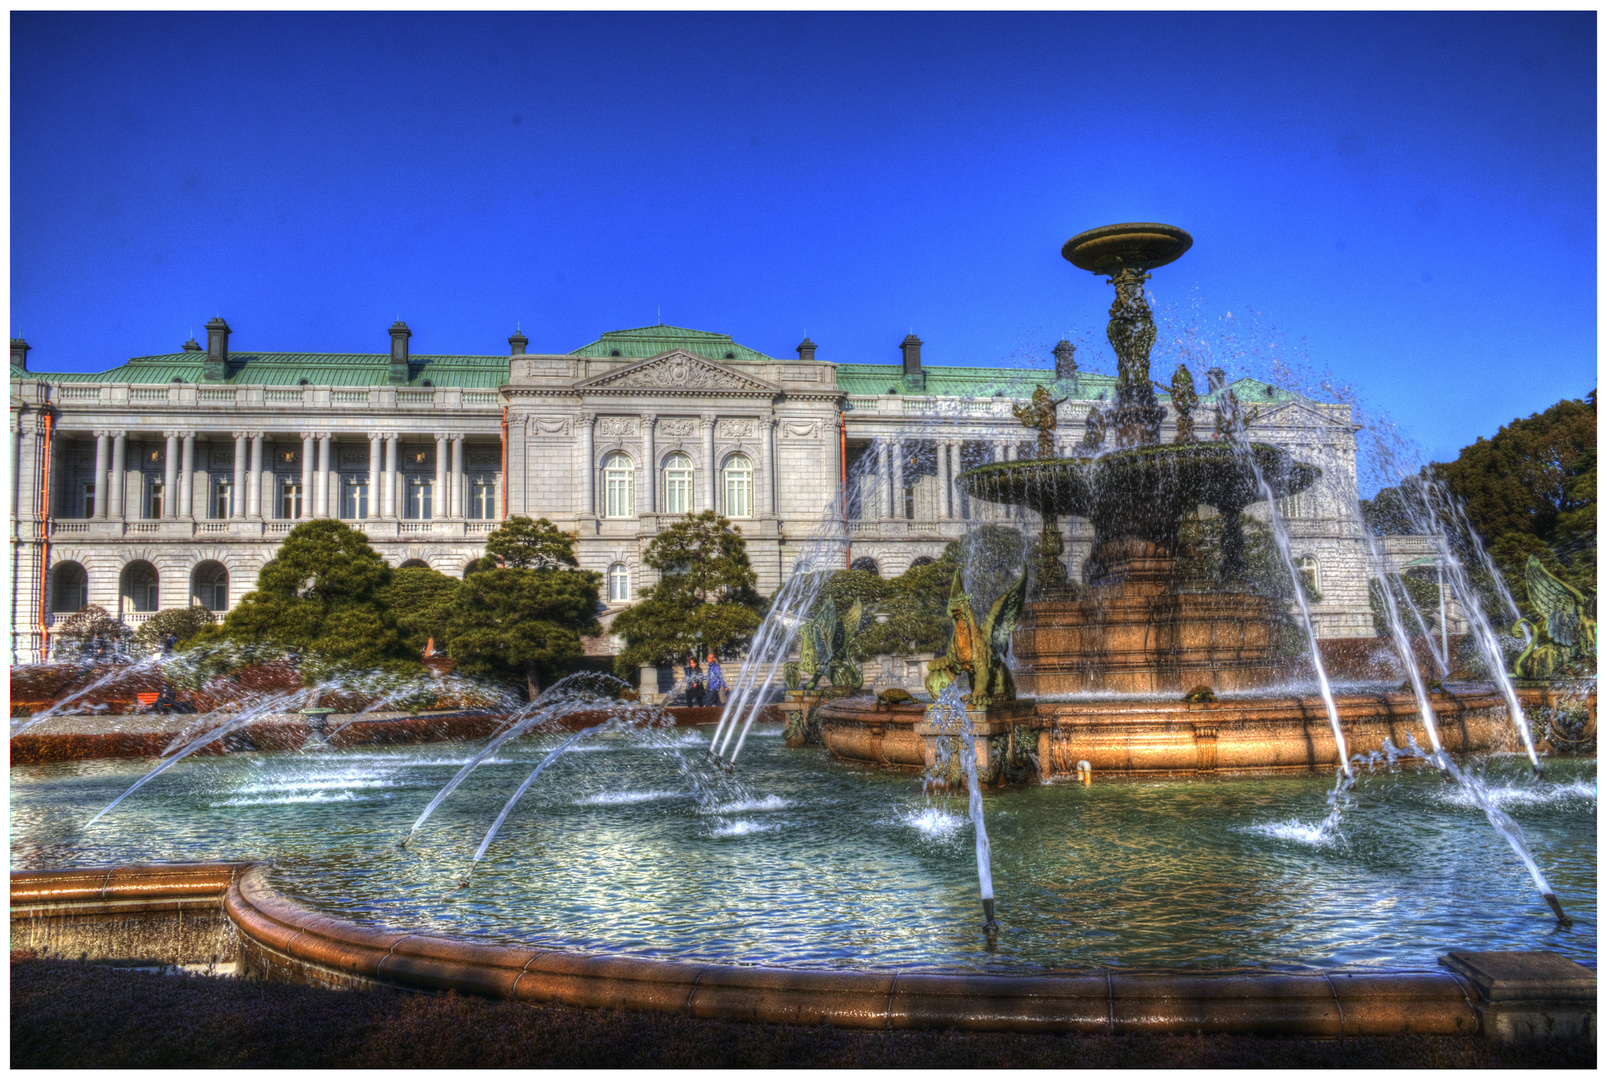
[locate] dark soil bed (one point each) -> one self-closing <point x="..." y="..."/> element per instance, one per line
<point x="76" y="1015"/>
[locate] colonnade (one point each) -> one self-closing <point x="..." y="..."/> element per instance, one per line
<point x="321" y="478"/>
<point x="887" y="481"/>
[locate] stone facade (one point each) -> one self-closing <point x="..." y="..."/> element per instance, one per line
<point x="171" y="480"/>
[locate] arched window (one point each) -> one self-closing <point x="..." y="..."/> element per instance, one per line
<point x="140" y="587"/>
<point x="677" y="484"/>
<point x="866" y="563"/>
<point x="738" y="487"/>
<point x="1308" y="570"/>
<point x="414" y="564"/>
<point x="209" y="586"/>
<point x="619" y="486"/>
<point x="619" y="583"/>
<point x="69" y="588"/>
<point x="921" y="560"/>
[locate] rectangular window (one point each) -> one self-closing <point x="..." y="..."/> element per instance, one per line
<point x="290" y="500"/>
<point x="677" y="491"/>
<point x="223" y="499"/>
<point x="420" y="497"/>
<point x="153" y="505"/>
<point x="482" y="500"/>
<point x="89" y="500"/>
<point x="354" y="500"/>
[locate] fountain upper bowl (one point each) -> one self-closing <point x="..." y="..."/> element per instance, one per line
<point x="1139" y="245"/>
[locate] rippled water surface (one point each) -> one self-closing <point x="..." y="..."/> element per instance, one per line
<point x="799" y="860"/>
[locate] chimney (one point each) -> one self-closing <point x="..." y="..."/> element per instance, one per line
<point x="806" y="349"/>
<point x="914" y="378"/>
<point x="517" y="343"/>
<point x="193" y="346"/>
<point x="216" y="365"/>
<point x="399" y="335"/>
<point x="19" y="353"/>
<point x="1215" y="379"/>
<point x="1065" y="360"/>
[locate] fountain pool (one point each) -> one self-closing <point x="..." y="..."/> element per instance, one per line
<point x="802" y="862"/>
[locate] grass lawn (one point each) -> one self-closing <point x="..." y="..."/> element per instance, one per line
<point x="77" y="1015"/>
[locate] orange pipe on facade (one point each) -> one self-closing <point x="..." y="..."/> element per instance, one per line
<point x="44" y="537"/>
<point x="504" y="516"/>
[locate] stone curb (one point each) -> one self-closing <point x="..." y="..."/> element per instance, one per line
<point x="280" y="939"/>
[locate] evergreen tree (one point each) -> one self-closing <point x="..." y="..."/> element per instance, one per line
<point x="183" y="623"/>
<point x="522" y="624"/>
<point x="705" y="600"/>
<point x="522" y="544"/>
<point x="421" y="600"/>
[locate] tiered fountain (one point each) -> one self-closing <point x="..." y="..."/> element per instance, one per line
<point x="1136" y="645"/>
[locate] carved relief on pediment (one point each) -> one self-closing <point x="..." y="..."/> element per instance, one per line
<point x="736" y="429"/>
<point x="679" y="371"/>
<point x="617" y="426"/>
<point x="677" y="428"/>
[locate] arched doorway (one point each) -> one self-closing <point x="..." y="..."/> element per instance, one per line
<point x="69" y="588"/>
<point x="209" y="586"/>
<point x="140" y="588"/>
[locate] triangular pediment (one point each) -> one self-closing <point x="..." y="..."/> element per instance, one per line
<point x="1294" y="413"/>
<point x="679" y="370"/>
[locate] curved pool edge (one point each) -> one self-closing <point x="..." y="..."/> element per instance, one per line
<point x="131" y="912"/>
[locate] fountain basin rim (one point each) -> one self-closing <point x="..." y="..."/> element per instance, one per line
<point x="1142" y="245"/>
<point x="280" y="938"/>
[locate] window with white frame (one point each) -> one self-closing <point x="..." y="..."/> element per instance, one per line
<point x="354" y="498"/>
<point x="482" y="498"/>
<point x="1308" y="570"/>
<point x="619" y="583"/>
<point x="290" y="500"/>
<point x="619" y="486"/>
<point x="89" y="500"/>
<point x="677" y="484"/>
<point x="420" y="498"/>
<point x="738" y="487"/>
<point x="153" y="499"/>
<point x="223" y="498"/>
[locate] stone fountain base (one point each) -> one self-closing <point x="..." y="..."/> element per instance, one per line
<point x="1045" y="739"/>
<point x="1133" y="635"/>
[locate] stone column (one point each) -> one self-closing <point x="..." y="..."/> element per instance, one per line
<point x="460" y="503"/>
<point x="307" y="440"/>
<point x="119" y="482"/>
<point x="252" y="502"/>
<point x="186" y="506"/>
<point x="1011" y="512"/>
<point x="898" y="480"/>
<point x="945" y="479"/>
<point x="588" y="447"/>
<point x="324" y="446"/>
<point x="16" y="473"/>
<point x="650" y="462"/>
<point x="373" y="508"/>
<point x="170" y="476"/>
<point x="392" y="510"/>
<point x="709" y="462"/>
<point x="440" y="497"/>
<point x="102" y="439"/>
<point x="770" y="489"/>
<point x="237" y="507"/>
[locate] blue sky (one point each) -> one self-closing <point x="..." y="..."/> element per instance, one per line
<point x="1405" y="200"/>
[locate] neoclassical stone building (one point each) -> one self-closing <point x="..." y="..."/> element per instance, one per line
<point x="169" y="480"/>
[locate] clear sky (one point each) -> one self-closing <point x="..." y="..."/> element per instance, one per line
<point x="1406" y="200"/>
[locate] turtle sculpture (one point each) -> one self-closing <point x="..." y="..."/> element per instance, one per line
<point x="1561" y="638"/>
<point x="978" y="650"/>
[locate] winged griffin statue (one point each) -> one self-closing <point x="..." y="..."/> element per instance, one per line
<point x="978" y="651"/>
<point x="1562" y="636"/>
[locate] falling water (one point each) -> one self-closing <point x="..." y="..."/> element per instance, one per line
<point x="1280" y="537"/>
<point x="950" y="714"/>
<point x="59" y="708"/>
<point x="267" y="706"/>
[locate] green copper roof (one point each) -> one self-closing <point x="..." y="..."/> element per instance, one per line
<point x="647" y="341"/>
<point x="290" y="369"/>
<point x="970" y="382"/>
